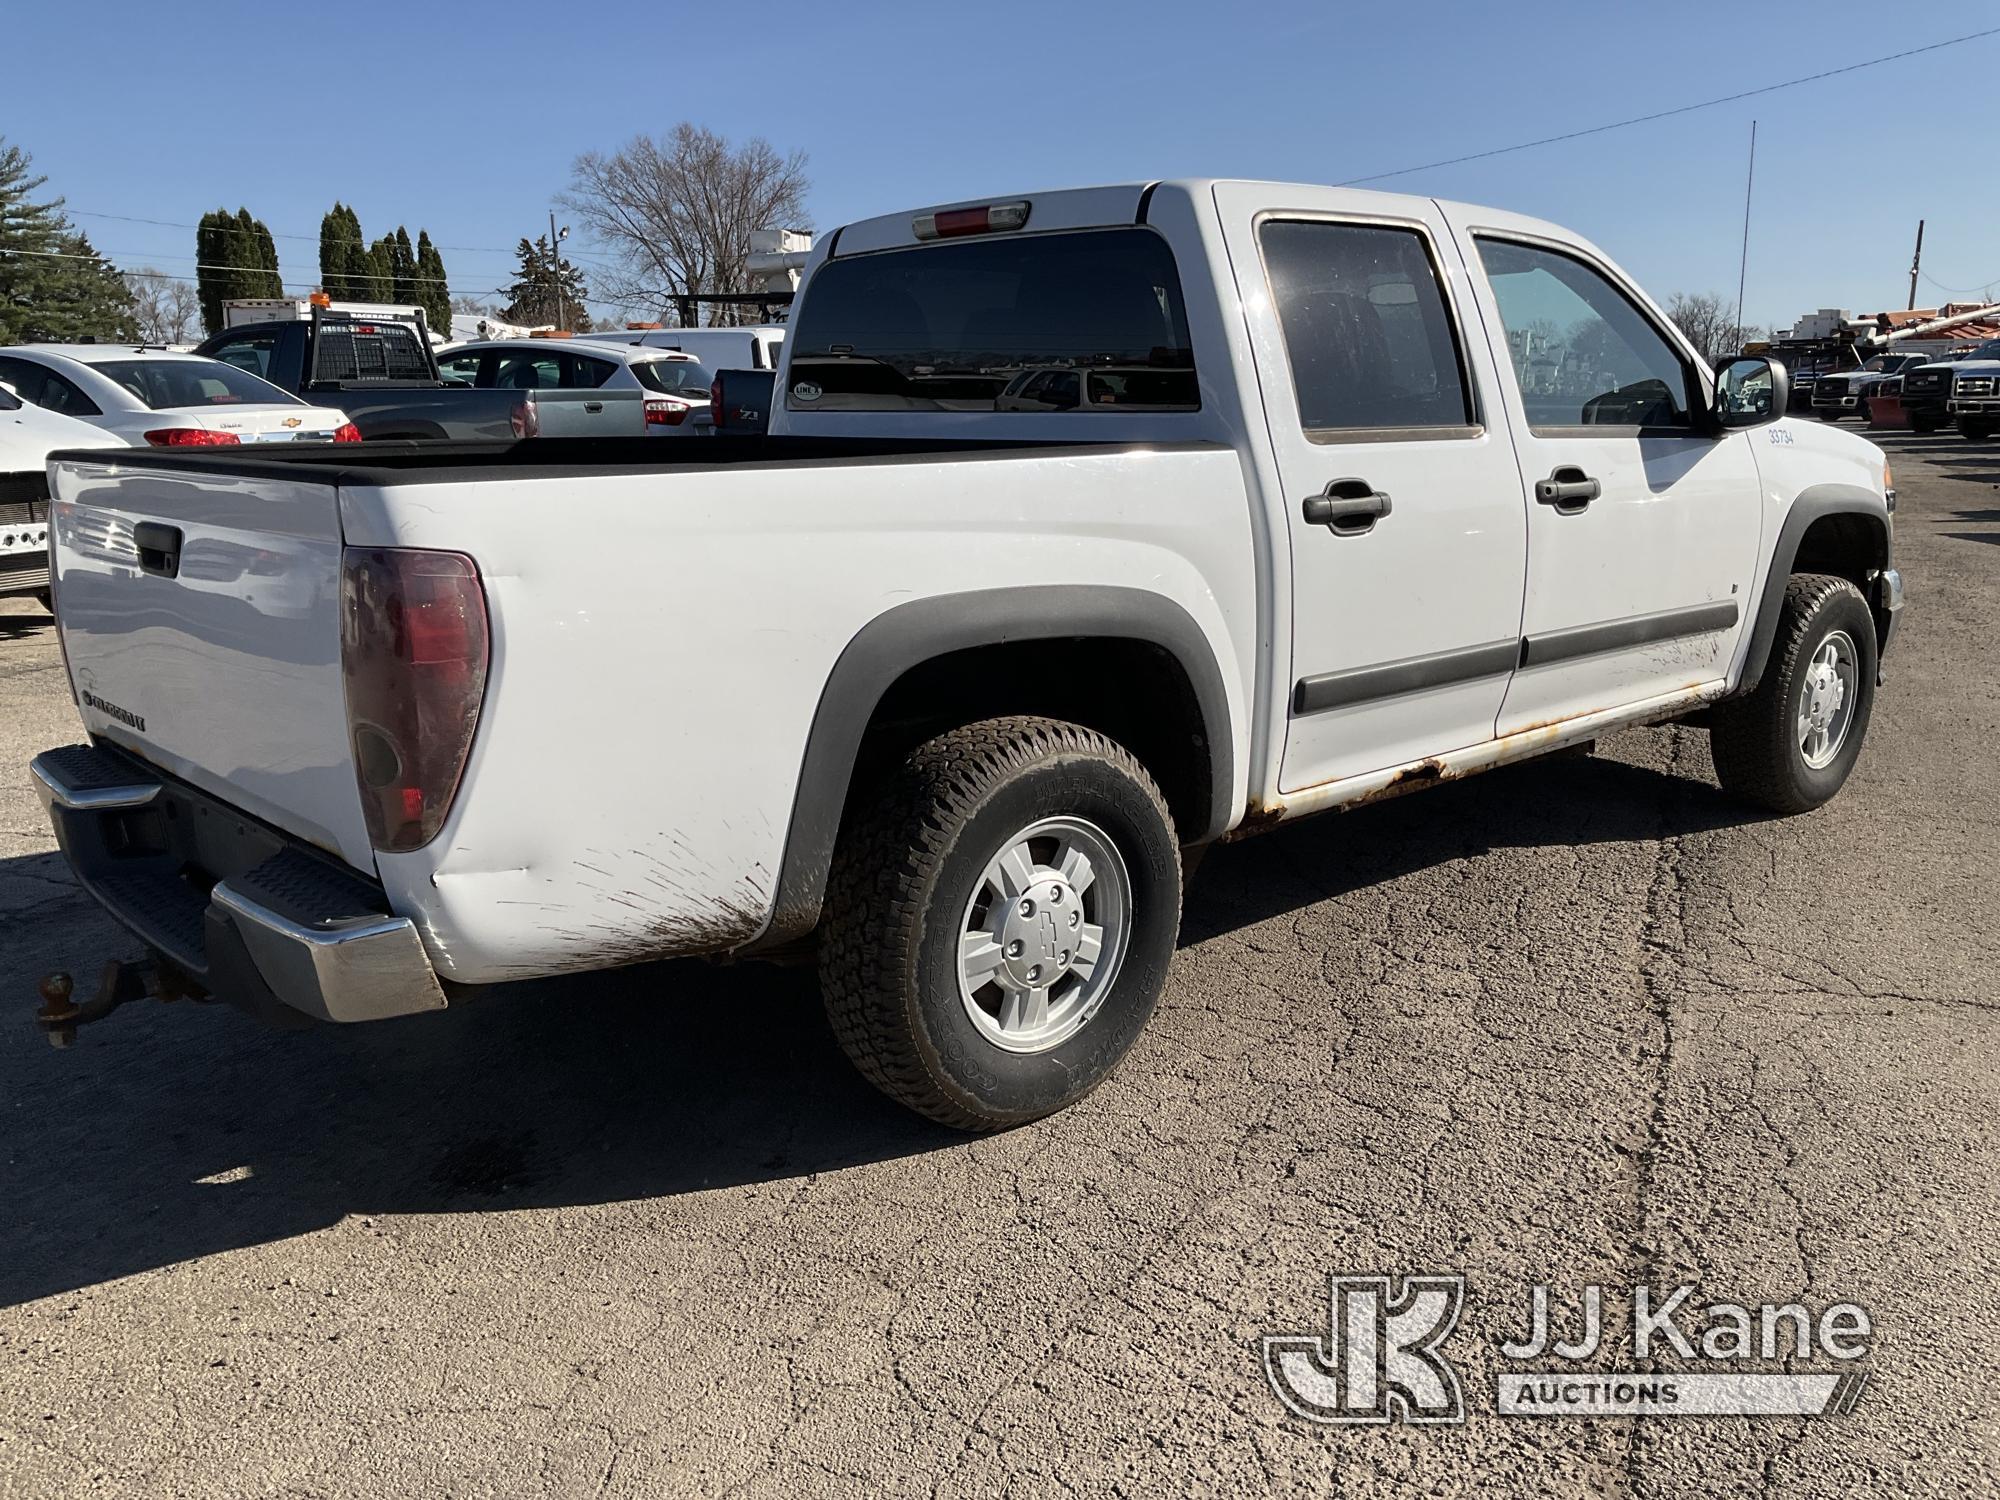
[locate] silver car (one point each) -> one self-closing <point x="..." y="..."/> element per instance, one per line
<point x="676" y="384"/>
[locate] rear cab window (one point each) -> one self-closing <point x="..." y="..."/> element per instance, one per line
<point x="964" y="326"/>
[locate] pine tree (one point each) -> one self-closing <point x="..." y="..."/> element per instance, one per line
<point x="402" y="268"/>
<point x="433" y="294"/>
<point x="546" y="290"/>
<point x="338" y="250"/>
<point x="235" y="256"/>
<point x="53" y="284"/>
<point x="378" y="280"/>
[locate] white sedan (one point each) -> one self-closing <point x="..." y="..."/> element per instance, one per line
<point x="158" y="397"/>
<point x="676" y="384"/>
<point x="27" y="436"/>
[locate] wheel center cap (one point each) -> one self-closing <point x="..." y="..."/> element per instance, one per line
<point x="1038" y="939"/>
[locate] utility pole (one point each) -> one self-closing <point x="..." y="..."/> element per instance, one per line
<point x="1916" y="261"/>
<point x="555" y="272"/>
<point x="1743" y="264"/>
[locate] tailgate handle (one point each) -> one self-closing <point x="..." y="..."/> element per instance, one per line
<point x="593" y="406"/>
<point x="159" y="548"/>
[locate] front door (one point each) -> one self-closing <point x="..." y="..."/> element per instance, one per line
<point x="1401" y="489"/>
<point x="1642" y="523"/>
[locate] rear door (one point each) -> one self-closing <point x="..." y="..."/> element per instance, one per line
<point x="1642" y="525"/>
<point x="1402" y="495"/>
<point x="201" y="619"/>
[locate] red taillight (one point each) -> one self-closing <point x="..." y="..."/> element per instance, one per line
<point x="715" y="400"/>
<point x="346" y="432"/>
<point x="988" y="218"/>
<point x="191" y="437"/>
<point x="525" y="419"/>
<point x="664" y="413"/>
<point x="413" y="652"/>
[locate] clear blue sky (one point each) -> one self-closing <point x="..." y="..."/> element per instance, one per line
<point x="463" y="119"/>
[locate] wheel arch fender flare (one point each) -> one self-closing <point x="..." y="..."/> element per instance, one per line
<point x="910" y="634"/>
<point x="1814" y="503"/>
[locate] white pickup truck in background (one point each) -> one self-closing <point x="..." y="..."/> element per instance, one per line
<point x="1329" y="495"/>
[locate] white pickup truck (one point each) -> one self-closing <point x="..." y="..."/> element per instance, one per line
<point x="1329" y="495"/>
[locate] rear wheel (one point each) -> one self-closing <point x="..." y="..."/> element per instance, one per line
<point x="1790" y="745"/>
<point x="1000" y="921"/>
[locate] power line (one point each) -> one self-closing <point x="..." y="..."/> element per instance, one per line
<point x="1962" y="291"/>
<point x="1667" y="114"/>
<point x="106" y="260"/>
<point x="364" y="242"/>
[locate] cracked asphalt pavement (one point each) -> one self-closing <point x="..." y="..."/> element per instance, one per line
<point x="1585" y="1021"/>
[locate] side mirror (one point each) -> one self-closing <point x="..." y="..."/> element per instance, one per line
<point x="1750" y="392"/>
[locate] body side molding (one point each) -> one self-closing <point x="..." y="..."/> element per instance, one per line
<point x="1622" y="635"/>
<point x="1330" y="690"/>
<point x="910" y="634"/>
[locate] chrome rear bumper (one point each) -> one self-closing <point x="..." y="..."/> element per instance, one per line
<point x="249" y="913"/>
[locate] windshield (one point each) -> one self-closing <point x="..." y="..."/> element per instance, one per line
<point x="677" y="377"/>
<point x="951" y="326"/>
<point x="168" y="384"/>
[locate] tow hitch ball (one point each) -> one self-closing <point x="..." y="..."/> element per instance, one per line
<point x="121" y="981"/>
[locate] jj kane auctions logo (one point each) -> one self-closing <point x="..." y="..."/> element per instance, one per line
<point x="1382" y="1357"/>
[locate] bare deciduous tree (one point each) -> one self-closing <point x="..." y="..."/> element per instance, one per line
<point x="1708" y="321"/>
<point x="168" y="309"/>
<point x="675" y="213"/>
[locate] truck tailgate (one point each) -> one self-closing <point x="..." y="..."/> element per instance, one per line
<point x="201" y="618"/>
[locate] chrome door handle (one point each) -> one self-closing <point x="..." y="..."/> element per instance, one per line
<point x="1347" y="507"/>
<point x="1569" y="490"/>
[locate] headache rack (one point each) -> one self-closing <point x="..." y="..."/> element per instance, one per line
<point x="350" y="350"/>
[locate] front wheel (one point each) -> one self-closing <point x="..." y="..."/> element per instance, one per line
<point x="1790" y="745"/>
<point x="1924" y="425"/>
<point x="1976" y="428"/>
<point x="1000" y="921"/>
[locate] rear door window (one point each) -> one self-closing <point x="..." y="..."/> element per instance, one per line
<point x="1367" y="332"/>
<point x="583" y="374"/>
<point x="950" y="326"/>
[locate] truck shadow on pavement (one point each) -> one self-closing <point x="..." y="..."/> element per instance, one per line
<point x="170" y="1133"/>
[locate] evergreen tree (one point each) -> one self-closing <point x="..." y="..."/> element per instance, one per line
<point x="546" y="290"/>
<point x="343" y="254"/>
<point x="235" y="256"/>
<point x="402" y="268"/>
<point x="433" y="294"/>
<point x="378" y="280"/>
<point x="53" y="284"/>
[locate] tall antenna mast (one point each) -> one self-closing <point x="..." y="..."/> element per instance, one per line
<point x="1743" y="265"/>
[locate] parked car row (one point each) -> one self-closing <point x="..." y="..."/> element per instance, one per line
<point x="1936" y="391"/>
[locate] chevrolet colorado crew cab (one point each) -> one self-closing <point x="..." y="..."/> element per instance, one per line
<point x="1366" y="493"/>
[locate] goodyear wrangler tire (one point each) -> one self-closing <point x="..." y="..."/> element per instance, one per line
<point x="1790" y="745"/>
<point x="1001" y="915"/>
